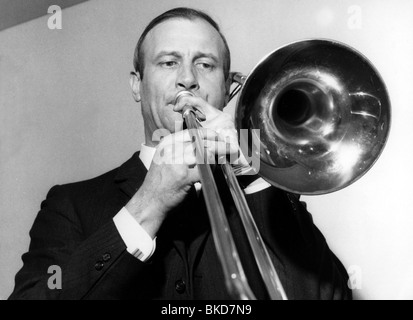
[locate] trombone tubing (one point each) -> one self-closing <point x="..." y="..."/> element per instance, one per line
<point x="234" y="274"/>
<point x="235" y="279"/>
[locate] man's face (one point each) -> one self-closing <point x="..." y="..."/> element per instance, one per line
<point x="180" y="54"/>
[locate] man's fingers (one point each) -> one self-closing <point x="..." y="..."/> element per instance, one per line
<point x="176" y="138"/>
<point x="207" y="134"/>
<point x="179" y="148"/>
<point x="178" y="153"/>
<point x="200" y="115"/>
<point x="199" y="104"/>
<point x="220" y="148"/>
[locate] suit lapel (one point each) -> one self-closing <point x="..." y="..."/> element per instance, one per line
<point x="131" y="175"/>
<point x="128" y="179"/>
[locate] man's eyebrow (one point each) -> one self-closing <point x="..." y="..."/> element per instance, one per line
<point x="177" y="54"/>
<point x="207" y="55"/>
<point x="168" y="53"/>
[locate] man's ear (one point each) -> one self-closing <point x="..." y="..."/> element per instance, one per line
<point x="135" y="82"/>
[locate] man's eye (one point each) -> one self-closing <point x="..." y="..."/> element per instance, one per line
<point x="168" y="64"/>
<point x="206" y="66"/>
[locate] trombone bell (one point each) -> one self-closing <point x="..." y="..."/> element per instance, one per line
<point x="322" y="112"/>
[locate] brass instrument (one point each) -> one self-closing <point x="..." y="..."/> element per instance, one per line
<point x="322" y="112"/>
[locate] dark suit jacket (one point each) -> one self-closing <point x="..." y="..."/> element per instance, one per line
<point x="75" y="231"/>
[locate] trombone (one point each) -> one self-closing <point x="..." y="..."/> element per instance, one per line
<point x="323" y="114"/>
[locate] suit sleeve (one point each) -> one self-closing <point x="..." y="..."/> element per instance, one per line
<point x="93" y="266"/>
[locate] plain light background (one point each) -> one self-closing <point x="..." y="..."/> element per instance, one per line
<point x="67" y="114"/>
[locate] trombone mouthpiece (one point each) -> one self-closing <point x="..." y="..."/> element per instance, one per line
<point x="181" y="94"/>
<point x="188" y="108"/>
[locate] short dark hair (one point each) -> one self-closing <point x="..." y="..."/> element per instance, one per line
<point x="185" y="13"/>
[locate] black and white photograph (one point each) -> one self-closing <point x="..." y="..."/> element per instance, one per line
<point x="206" y="150"/>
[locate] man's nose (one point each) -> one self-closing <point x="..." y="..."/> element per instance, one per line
<point x="187" y="78"/>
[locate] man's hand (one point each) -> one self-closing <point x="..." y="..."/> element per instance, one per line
<point x="222" y="136"/>
<point x="173" y="170"/>
<point x="169" y="179"/>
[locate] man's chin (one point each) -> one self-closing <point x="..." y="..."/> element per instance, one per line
<point x="173" y="120"/>
<point x="176" y="125"/>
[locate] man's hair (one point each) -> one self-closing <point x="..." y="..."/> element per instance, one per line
<point x="183" y="13"/>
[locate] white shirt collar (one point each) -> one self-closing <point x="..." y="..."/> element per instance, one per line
<point x="146" y="155"/>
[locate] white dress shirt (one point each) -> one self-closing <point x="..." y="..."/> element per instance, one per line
<point x="137" y="240"/>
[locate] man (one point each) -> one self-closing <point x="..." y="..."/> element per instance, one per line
<point x="141" y="231"/>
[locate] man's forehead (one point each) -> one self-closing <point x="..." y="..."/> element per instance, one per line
<point x="182" y="33"/>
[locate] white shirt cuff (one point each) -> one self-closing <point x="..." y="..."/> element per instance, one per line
<point x="137" y="240"/>
<point x="256" y="186"/>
